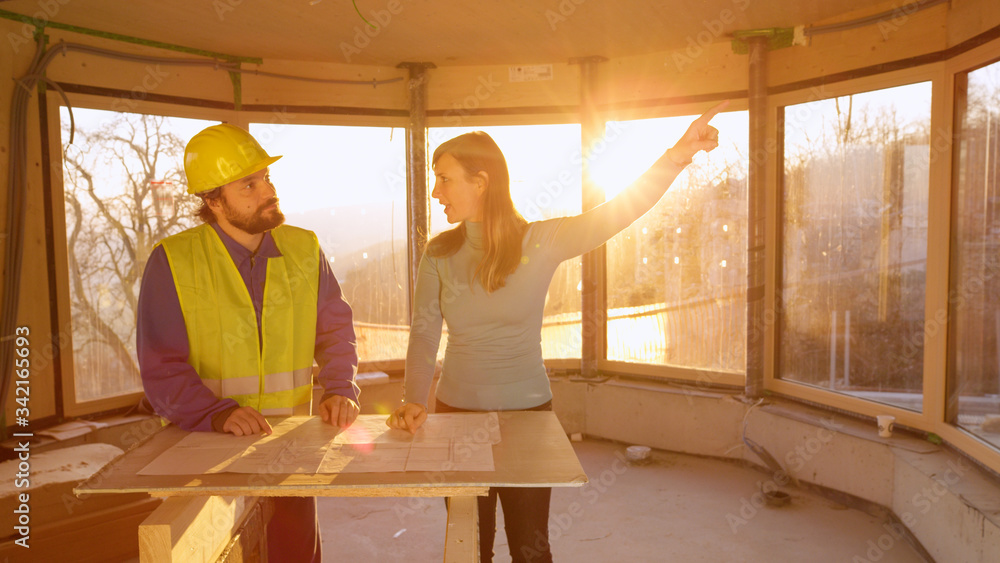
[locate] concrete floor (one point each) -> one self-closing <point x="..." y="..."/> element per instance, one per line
<point x="675" y="508"/>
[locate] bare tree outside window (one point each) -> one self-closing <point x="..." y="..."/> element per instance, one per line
<point x="124" y="191"/>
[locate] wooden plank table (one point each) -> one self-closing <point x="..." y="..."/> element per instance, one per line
<point x="533" y="452"/>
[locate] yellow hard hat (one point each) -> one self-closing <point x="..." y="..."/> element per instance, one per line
<point x="221" y="154"/>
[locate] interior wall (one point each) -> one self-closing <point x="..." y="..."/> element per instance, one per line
<point x="640" y="86"/>
<point x="9" y="66"/>
<point x="969" y="18"/>
<point x="700" y="69"/>
<point x="135" y="81"/>
<point x="629" y="87"/>
<point x="275" y="91"/>
<point x="457" y="93"/>
<point x="33" y="310"/>
<point x="906" y="36"/>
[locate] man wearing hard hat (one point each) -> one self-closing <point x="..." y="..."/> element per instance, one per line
<point x="232" y="313"/>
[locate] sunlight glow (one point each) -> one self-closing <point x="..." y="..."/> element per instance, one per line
<point x="644" y="332"/>
<point x="629" y="148"/>
<point x="544" y="162"/>
<point x="328" y="166"/>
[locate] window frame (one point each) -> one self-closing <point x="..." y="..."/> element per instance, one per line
<point x="701" y="378"/>
<point x="966" y="62"/>
<point x="932" y="418"/>
<point x="936" y="360"/>
<point x="70" y="406"/>
<point x="929" y="73"/>
<point x="66" y="386"/>
<point x="774" y="241"/>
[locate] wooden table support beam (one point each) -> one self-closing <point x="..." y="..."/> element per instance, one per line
<point x="461" y="542"/>
<point x="192" y="528"/>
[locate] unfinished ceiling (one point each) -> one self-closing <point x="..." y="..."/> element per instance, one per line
<point x="444" y="32"/>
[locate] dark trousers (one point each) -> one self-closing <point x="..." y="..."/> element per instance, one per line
<point x="525" y="515"/>
<point x="293" y="532"/>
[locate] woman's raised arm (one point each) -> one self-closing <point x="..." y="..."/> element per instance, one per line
<point x="593" y="228"/>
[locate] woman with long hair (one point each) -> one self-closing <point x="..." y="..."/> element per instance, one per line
<point x="488" y="278"/>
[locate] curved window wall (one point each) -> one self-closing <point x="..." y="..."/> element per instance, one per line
<point x="879" y="236"/>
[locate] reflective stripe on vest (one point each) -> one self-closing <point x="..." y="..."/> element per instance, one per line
<point x="222" y="326"/>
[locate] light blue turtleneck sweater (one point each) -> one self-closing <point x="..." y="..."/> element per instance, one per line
<point x="493" y="360"/>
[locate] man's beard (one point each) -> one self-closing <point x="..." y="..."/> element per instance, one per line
<point x="258" y="221"/>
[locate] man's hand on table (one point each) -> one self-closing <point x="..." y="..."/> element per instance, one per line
<point x="245" y="421"/>
<point x="339" y="411"/>
<point x="408" y="417"/>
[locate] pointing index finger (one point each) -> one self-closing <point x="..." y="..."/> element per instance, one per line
<point x="265" y="428"/>
<point x="713" y="111"/>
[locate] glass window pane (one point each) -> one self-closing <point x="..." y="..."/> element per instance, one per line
<point x="348" y="185"/>
<point x="124" y="185"/>
<point x="545" y="168"/>
<point x="854" y="246"/>
<point x="677" y="277"/>
<point x="975" y="291"/>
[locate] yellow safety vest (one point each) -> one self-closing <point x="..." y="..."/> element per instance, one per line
<point x="273" y="375"/>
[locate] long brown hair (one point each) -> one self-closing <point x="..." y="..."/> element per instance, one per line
<point x="503" y="226"/>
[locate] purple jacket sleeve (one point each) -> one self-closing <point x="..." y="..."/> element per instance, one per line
<point x="172" y="386"/>
<point x="336" y="345"/>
